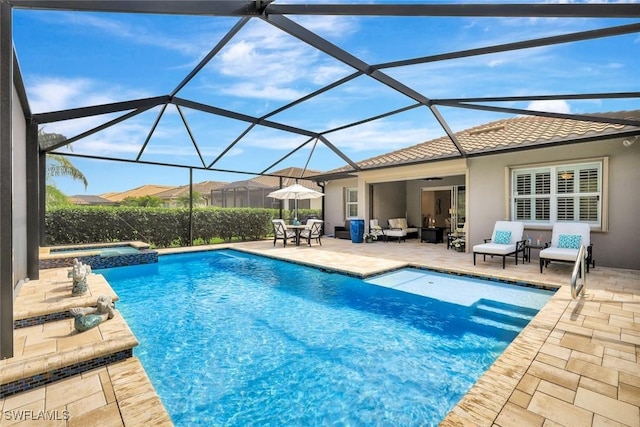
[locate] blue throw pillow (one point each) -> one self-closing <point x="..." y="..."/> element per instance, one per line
<point x="502" y="237"/>
<point x="569" y="241"/>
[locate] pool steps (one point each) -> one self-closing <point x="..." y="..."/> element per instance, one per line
<point x="502" y="315"/>
<point x="50" y="354"/>
<point x="37" y="304"/>
<point x="54" y="351"/>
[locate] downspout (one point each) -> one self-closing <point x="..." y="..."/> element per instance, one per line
<point x="280" y="202"/>
<point x="322" y="187"/>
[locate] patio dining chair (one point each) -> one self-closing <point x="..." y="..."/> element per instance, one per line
<point x="280" y="232"/>
<point x="505" y="241"/>
<point x="313" y="231"/>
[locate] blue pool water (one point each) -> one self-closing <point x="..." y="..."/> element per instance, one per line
<point x="233" y="339"/>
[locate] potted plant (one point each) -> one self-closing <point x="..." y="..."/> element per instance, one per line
<point x="458" y="244"/>
<point x="368" y="237"/>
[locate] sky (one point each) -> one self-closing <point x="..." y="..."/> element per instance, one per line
<point x="77" y="59"/>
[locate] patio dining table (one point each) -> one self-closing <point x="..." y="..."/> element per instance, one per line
<point x="297" y="228"/>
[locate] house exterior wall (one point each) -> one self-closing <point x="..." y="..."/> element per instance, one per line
<point x="487" y="181"/>
<point x="334" y="214"/>
<point x="19" y="196"/>
<point x="414" y="175"/>
<point x="396" y="191"/>
<point x="488" y="197"/>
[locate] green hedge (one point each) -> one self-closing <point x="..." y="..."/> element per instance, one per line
<point x="160" y="227"/>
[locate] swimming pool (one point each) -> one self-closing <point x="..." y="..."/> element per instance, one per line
<point x="229" y="338"/>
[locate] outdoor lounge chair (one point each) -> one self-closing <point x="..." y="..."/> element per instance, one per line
<point x="312" y="231"/>
<point x="506" y="240"/>
<point x="280" y="232"/>
<point x="566" y="239"/>
<point x="401" y="223"/>
<point x="395" y="231"/>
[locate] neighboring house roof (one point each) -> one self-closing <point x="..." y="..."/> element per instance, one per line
<point x="506" y="134"/>
<point x="290" y="175"/>
<point x="203" y="188"/>
<point x="144" y="190"/>
<point x="264" y="181"/>
<point x="247" y="183"/>
<point x="81" y="199"/>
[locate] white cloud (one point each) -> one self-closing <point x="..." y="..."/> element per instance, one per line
<point x="553" y="106"/>
<point x="143" y="32"/>
<point x="269" y="64"/>
<point x="52" y="94"/>
<point x="383" y="136"/>
<point x="256" y="90"/>
<point x="330" y="26"/>
<point x="58" y="93"/>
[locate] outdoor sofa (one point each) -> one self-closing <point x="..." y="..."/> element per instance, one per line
<point x="342" y="232"/>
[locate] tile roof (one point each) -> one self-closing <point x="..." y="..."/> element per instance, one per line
<point x="290" y="174"/>
<point x="204" y="187"/>
<point x="144" y="190"/>
<point x="83" y="199"/>
<point x="520" y="131"/>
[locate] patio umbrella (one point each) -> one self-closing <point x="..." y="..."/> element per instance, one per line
<point x="295" y="192"/>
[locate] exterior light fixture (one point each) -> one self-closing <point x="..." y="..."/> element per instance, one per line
<point x="629" y="142"/>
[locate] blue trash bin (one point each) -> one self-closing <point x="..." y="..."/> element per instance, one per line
<point x="357" y="230"/>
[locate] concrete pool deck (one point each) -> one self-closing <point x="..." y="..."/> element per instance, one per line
<point x="576" y="363"/>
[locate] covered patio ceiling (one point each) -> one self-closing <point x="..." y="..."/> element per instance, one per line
<point x="411" y="82"/>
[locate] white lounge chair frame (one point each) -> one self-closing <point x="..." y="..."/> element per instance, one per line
<point x="554" y="253"/>
<point x="514" y="247"/>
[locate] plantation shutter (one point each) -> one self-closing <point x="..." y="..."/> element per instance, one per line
<point x="523" y="184"/>
<point x="558" y="193"/>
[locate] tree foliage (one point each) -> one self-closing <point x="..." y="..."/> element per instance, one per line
<point x="58" y="166"/>
<point x="160" y="227"/>
<point x="142" y="201"/>
<point x="184" y="199"/>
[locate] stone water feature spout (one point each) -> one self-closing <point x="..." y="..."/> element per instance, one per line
<point x="79" y="273"/>
<point x="90" y="317"/>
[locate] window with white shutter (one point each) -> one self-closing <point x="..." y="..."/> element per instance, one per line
<point x="351" y="202"/>
<point x="557" y="193"/>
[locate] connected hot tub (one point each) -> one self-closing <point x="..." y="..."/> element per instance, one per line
<point x="99" y="255"/>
